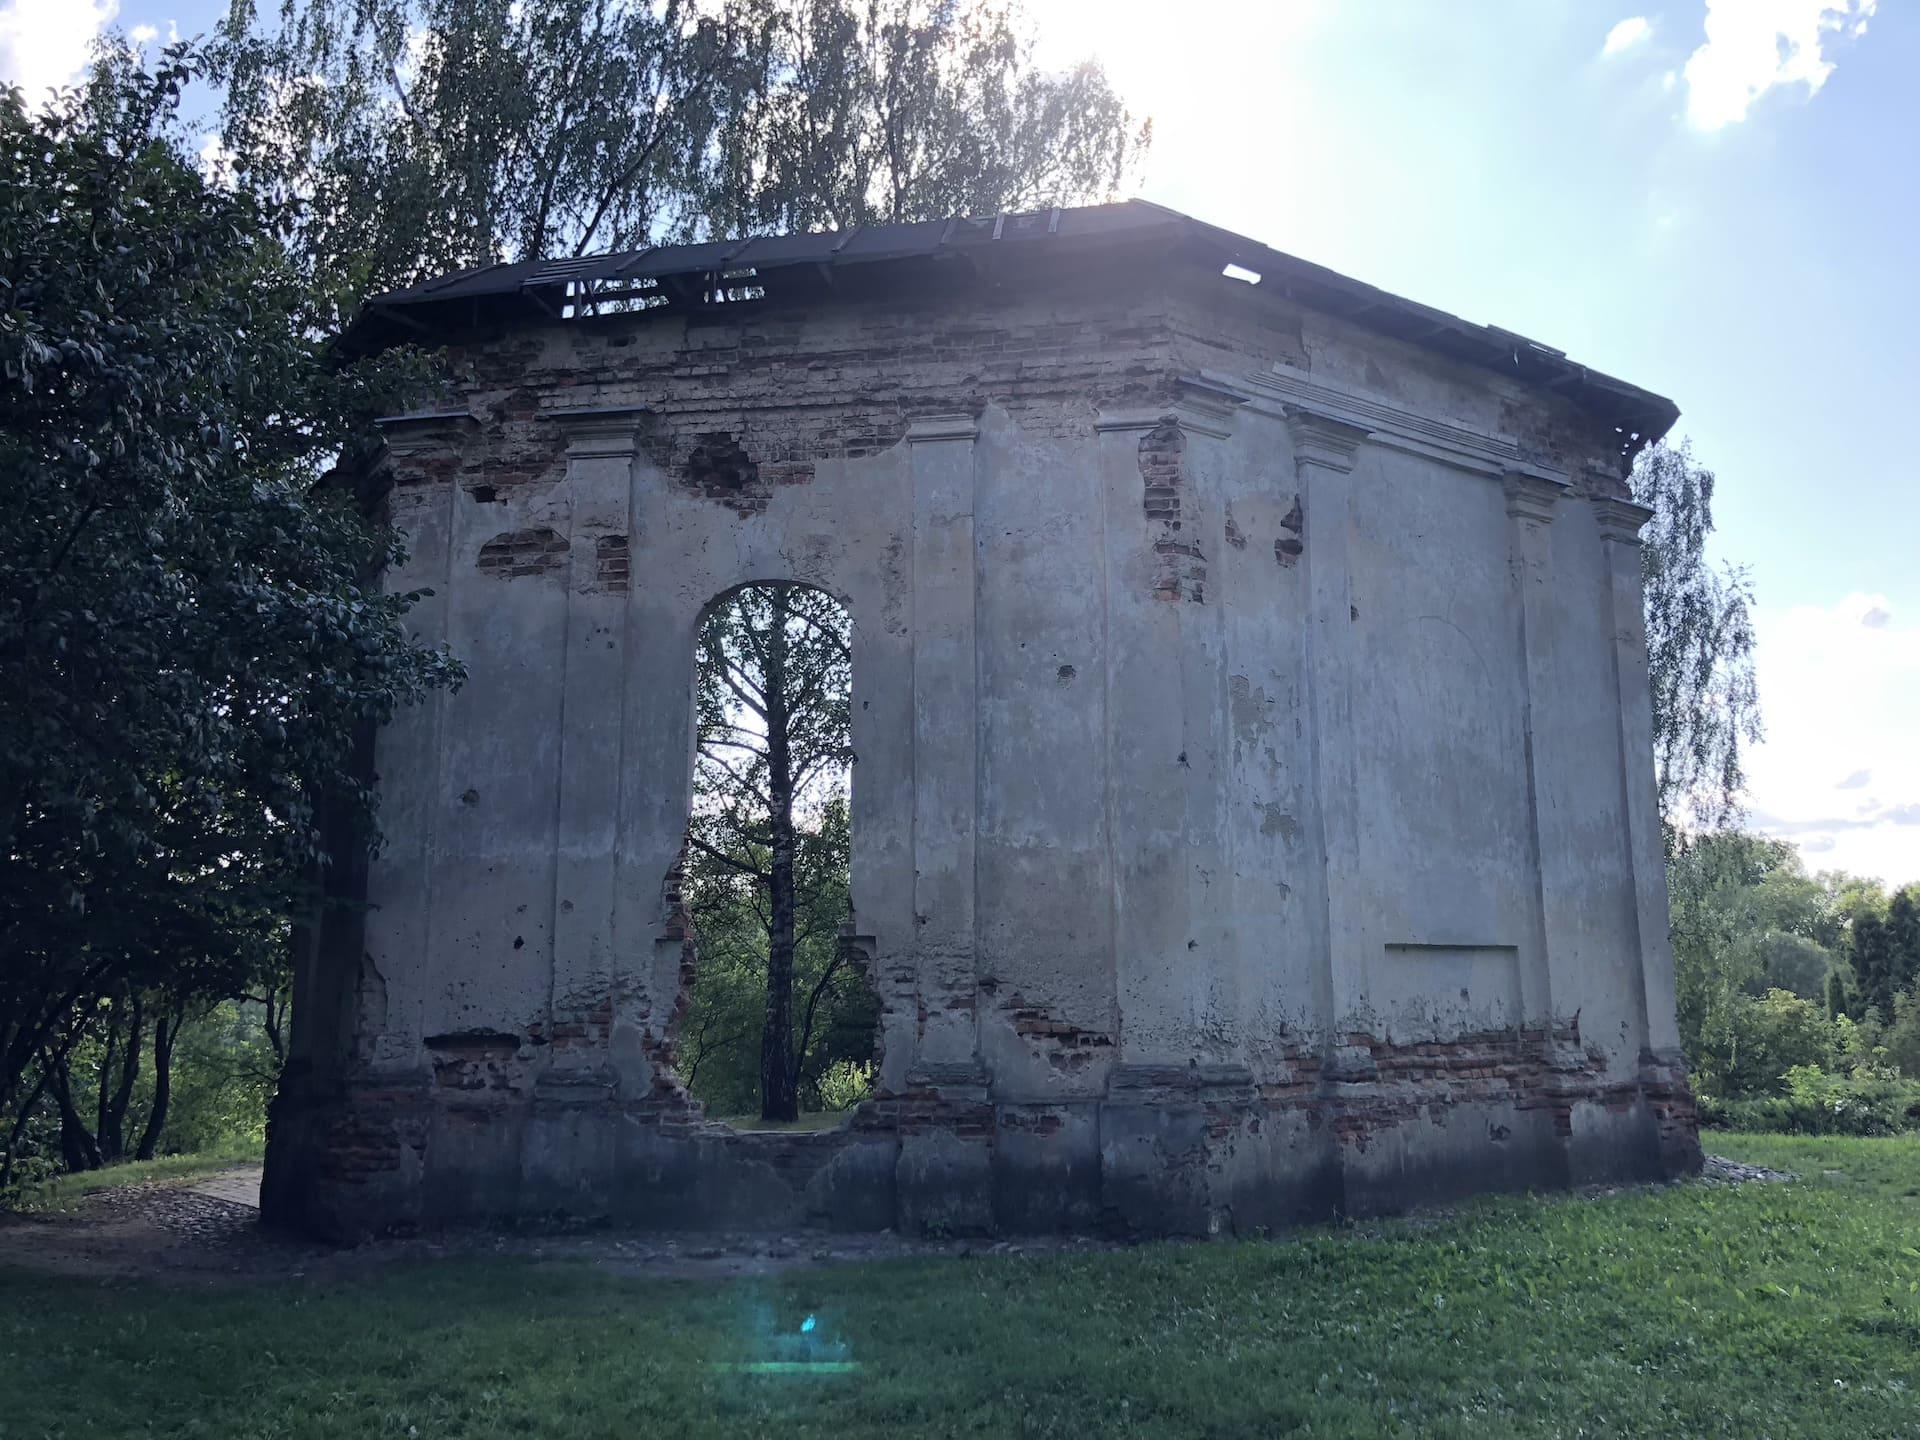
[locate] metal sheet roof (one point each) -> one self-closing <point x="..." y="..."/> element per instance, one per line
<point x="684" y="275"/>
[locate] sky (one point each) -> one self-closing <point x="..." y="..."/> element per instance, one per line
<point x="1714" y="199"/>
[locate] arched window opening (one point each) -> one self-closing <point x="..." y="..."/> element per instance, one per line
<point x="781" y="1021"/>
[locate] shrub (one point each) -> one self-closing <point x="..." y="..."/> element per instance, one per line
<point x="1777" y="1032"/>
<point x="1820" y="1102"/>
<point x="845" y="1083"/>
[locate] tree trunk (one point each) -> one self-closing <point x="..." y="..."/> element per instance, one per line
<point x="18" y="1128"/>
<point x="779" y="1091"/>
<point x="275" y="1023"/>
<point x="78" y="1149"/>
<point x="114" y="1103"/>
<point x="103" y="1088"/>
<point x="165" y="1028"/>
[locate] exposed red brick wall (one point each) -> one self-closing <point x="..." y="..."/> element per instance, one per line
<point x="515" y="553"/>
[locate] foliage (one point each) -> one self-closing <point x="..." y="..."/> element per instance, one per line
<point x="845" y="1083"/>
<point x="1706" y="707"/>
<point x="769" y="850"/>
<point x="1899" y="1041"/>
<point x="1820" y="1102"/>
<point x="1771" y="1036"/>
<point x="1782" y="985"/>
<point x="431" y="135"/>
<point x="1750" y="1310"/>
<point x="186" y="645"/>
<point x="223" y="1070"/>
<point x="1746" y="918"/>
<point x="224" y="1074"/>
<point x="863" y="112"/>
<point x="1886" y="949"/>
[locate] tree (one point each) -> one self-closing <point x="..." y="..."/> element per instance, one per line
<point x="188" y="642"/>
<point x="865" y="112"/>
<point x="1886" y="951"/>
<point x="424" y="136"/>
<point x="1700" y="639"/>
<point x="769" y="834"/>
<point x="1747" y="921"/>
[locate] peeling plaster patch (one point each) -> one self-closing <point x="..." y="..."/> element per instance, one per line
<point x="1288" y="547"/>
<point x="1252" y="708"/>
<point x="719" y="465"/>
<point x="1236" y="537"/>
<point x="475" y="1060"/>
<point x="516" y="553"/>
<point x="1276" y="821"/>
<point x="610" y="564"/>
<point x="1182" y="571"/>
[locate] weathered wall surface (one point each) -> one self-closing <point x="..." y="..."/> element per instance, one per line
<point x="1253" y="814"/>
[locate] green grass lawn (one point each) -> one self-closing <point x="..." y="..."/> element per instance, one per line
<point x="1761" y="1310"/>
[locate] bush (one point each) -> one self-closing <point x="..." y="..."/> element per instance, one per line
<point x="1819" y="1102"/>
<point x="845" y="1083"/>
<point x="1771" y="1035"/>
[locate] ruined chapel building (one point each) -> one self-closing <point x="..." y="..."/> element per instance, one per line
<point x="1254" y="811"/>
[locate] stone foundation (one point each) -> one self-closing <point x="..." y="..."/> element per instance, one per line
<point x="1167" y="1151"/>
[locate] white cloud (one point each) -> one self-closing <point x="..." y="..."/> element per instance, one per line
<point x="1838" y="697"/>
<point x="1628" y="33"/>
<point x="47" y="43"/>
<point x="1755" y="45"/>
<point x="216" y="160"/>
<point x="144" y="34"/>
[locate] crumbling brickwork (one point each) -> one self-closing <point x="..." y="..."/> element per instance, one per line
<point x="519" y="553"/>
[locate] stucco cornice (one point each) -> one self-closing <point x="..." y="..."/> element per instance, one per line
<point x="602" y="431"/>
<point x="1621" y="520"/>
<point x="420" y="431"/>
<point x="1532" y="494"/>
<point x="1199" y="407"/>
<point x="1324" y="440"/>
<point x="960" y="426"/>
<point x="1283" y="389"/>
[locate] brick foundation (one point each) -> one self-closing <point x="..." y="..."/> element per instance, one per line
<point x="1165" y="1151"/>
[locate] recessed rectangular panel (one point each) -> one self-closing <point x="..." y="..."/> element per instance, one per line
<point x="1441" y="992"/>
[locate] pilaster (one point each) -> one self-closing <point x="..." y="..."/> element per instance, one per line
<point x="424" y="454"/>
<point x="1325" y="451"/>
<point x="589" y="971"/>
<point x="945" y="740"/>
<point x="1532" y="497"/>
<point x="1620" y="522"/>
<point x="1165" y="677"/>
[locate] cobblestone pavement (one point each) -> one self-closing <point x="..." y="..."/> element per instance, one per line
<point x="239" y="1186"/>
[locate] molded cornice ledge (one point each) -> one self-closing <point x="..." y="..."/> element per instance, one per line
<point x="1322" y="440"/>
<point x="600" y="432"/>
<point x="1621" y="520"/>
<point x="943" y="427"/>
<point x="1198" y="407"/>
<point x="1531" y="494"/>
<point x="422" y="430"/>
<point x="1387" y="421"/>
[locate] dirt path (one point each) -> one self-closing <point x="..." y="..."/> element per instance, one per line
<point x="206" y="1232"/>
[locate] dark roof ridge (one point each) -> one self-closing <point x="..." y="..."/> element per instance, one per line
<point x="692" y="275"/>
